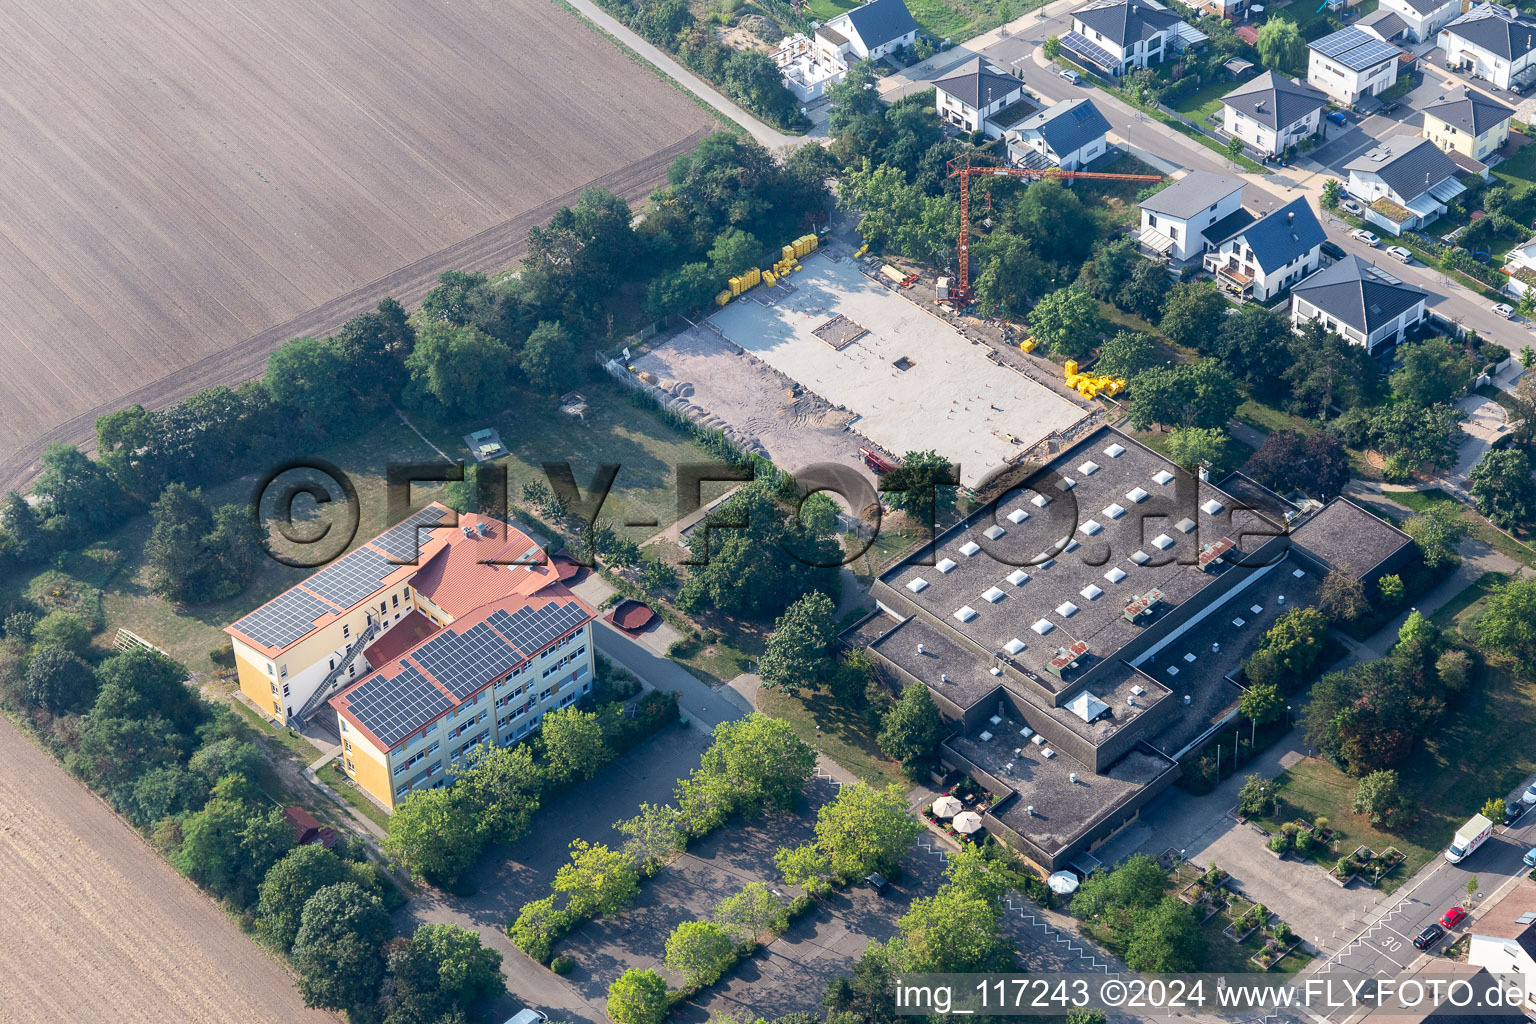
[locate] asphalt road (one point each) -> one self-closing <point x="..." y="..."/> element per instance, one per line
<point x="1015" y="52"/>
<point x="1386" y="945"/>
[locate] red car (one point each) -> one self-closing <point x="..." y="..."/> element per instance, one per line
<point x="1451" y="918"/>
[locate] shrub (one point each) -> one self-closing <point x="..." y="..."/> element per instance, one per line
<point x="562" y="964"/>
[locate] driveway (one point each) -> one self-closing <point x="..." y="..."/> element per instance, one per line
<point x="1486" y="422"/>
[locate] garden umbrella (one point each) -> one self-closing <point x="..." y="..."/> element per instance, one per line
<point x="946" y="807"/>
<point x="1062" y="882"/>
<point x="967" y="822"/>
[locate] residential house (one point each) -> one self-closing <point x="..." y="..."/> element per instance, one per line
<point x="413" y="639"/>
<point x="1404" y="183"/>
<point x="1520" y="265"/>
<point x="868" y="32"/>
<point x="1504" y="939"/>
<point x="1272" y="112"/>
<point x="1423" y="18"/>
<point x="1190" y="216"/>
<point x="1265" y="258"/>
<point x="979" y="94"/>
<point x="1067" y="135"/>
<point x="1493" y="42"/>
<point x="809" y="66"/>
<point x="1359" y="302"/>
<point x="1118" y="36"/>
<point x="1385" y="25"/>
<point x="1351" y="64"/>
<point x="1468" y="123"/>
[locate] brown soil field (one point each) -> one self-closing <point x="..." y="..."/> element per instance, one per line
<point x="185" y="185"/>
<point x="95" y="926"/>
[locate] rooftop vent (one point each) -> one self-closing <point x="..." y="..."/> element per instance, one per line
<point x="965" y="613"/>
<point x="1114" y="451"/>
<point x="1115" y="575"/>
<point x="468" y="531"/>
<point x="946" y="565"/>
<point x="1144" y="606"/>
<point x="993" y="532"/>
<point x="1213" y="555"/>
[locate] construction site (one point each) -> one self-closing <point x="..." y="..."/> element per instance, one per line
<point x="834" y="357"/>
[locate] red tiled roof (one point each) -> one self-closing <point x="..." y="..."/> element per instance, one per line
<point x="463" y="573"/>
<point x="411" y="630"/>
<point x="565" y="567"/>
<point x="631" y="616"/>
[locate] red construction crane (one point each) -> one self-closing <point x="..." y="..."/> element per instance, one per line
<point x="962" y="168"/>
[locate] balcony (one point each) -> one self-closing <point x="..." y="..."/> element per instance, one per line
<point x="1229" y="273"/>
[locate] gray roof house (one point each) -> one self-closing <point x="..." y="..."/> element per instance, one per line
<point x="1274" y="100"/>
<point x="873" y="30"/>
<point x="1405" y="182"/>
<point x="1383" y="25"/>
<point x="1115" y="36"/>
<point x="1264" y="258"/>
<point x="1360" y="303"/>
<point x="1068" y="135"/>
<point x="1194" y="213"/>
<point x="1422" y="18"/>
<point x="1494" y="42"/>
<point x="1470" y="112"/>
<point x="979" y="94"/>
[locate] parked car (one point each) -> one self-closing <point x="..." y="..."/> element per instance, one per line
<point x="1350" y="205"/>
<point x="1428" y="937"/>
<point x="528" y="1017"/>
<point x="1400" y="254"/>
<point x="1337" y="117"/>
<point x="1071" y="76"/>
<point x="1332" y="251"/>
<point x="1513" y="812"/>
<point x="1362" y="235"/>
<point x="1529" y="796"/>
<point x="1451" y="918"/>
<point x="877" y="882"/>
<point x="1530" y="858"/>
<point x="1505" y="310"/>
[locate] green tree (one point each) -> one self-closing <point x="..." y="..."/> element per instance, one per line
<point x="57" y="680"/>
<point x="597" y="881"/>
<point x="1054" y="219"/>
<point x="455" y="964"/>
<point x="1379" y="798"/>
<point x="1052" y="47"/>
<point x="548" y="358"/>
<point x="1009" y="274"/>
<point x="1126" y="355"/>
<point x="1067" y="320"/>
<point x="653" y="834"/>
<point x="1333" y="193"/>
<point x="952" y="931"/>
<point x="806" y="866"/>
<point x="1432" y="372"/>
<point x="1146" y="290"/>
<point x="1296" y="639"/>
<point x="1493" y="809"/>
<point x="638" y="997"/>
<point x="1234" y="148"/>
<point x="21" y="532"/>
<point x="1411" y="436"/>
<point x="64" y="630"/>
<point x="288" y="886"/>
<point x="699" y="951"/>
<point x="1253" y="345"/>
<point x="1503" y="488"/>
<point x="432" y="836"/>
<point x="757" y="762"/>
<point x="311" y="376"/>
<point x="734" y="252"/>
<point x="750" y="912"/>
<point x="1193" y="314"/>
<point x="460" y="369"/>
<point x="1508" y="624"/>
<point x="339" y="950"/>
<point x="163" y="792"/>
<point x="73" y="493"/>
<point x="501" y="788"/>
<point x="1199" y="394"/>
<point x="680" y="291"/>
<point x="912" y="730"/>
<point x="1261" y="703"/>
<point x="798" y="652"/>
<point x="573" y="745"/>
<point x="1257" y="797"/>
<point x="1166" y="938"/>
<point x="865" y="829"/>
<point x="1280" y="45"/>
<point x="1437" y="530"/>
<point x="1193" y="447"/>
<point x="538" y="925"/>
<point x="923" y="487"/>
<point x="1390" y="589"/>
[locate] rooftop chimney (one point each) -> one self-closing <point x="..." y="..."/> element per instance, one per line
<point x="1030" y="810"/>
<point x="1290" y="218"/>
<point x="943" y="677"/>
<point x="920" y="649"/>
<point x="1073" y="777"/>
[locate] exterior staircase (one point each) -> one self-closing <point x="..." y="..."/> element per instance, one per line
<point x="332" y="683"/>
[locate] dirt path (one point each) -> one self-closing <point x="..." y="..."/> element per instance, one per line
<point x="97" y="927"/>
<point x="492" y="250"/>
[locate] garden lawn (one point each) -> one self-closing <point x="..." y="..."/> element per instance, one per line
<point x="1204" y="101"/>
<point x="1519" y="169"/>
<point x="957" y="20"/>
<point x="334" y="777"/>
<point x="1461" y="612"/>
<point x="845" y="736"/>
<point x="1477" y="527"/>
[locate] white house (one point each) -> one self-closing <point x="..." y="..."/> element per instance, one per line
<point x="1404" y="182"/>
<point x="1272" y="112"/>
<point x="1360" y="303"/>
<point x="808" y="67"/>
<point x="868" y="32"/>
<point x="1423" y="18"/>
<point x="973" y="94"/>
<point x="1504" y="939"/>
<point x="1192" y="215"/>
<point x="1493" y="42"/>
<point x="1265" y="258"/>
<point x="1117" y="36"/>
<point x="1385" y="25"/>
<point x="1520" y="265"/>
<point x="1350" y="64"/>
<point x="1068" y="135"/>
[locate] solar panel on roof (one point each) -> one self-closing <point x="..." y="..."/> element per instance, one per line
<point x="284" y="619"/>
<point x="532" y="629"/>
<point x="353" y="578"/>
<point x="1355" y="49"/>
<point x="392" y="709"/>
<point x="464" y="662"/>
<point x="401" y="542"/>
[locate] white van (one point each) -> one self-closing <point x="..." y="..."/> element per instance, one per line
<point x="528" y="1017"/>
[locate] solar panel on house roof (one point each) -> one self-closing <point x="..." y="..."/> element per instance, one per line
<point x="284" y="619"/>
<point x="401" y="541"/>
<point x="533" y="629"/>
<point x="392" y="709"/>
<point x="1356" y="50"/>
<point x="465" y="662"/>
<point x="348" y="581"/>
